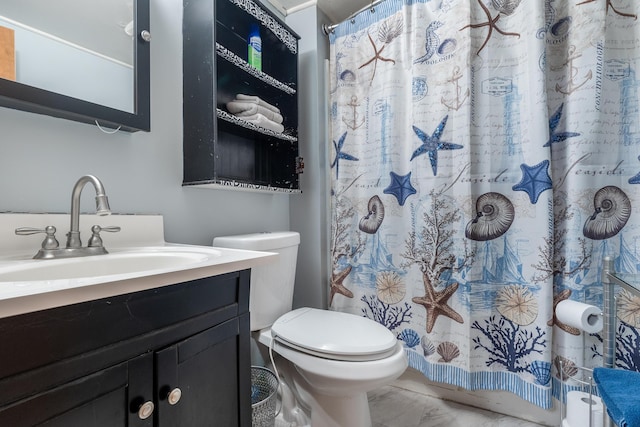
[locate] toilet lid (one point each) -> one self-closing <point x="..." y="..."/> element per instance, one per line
<point x="334" y="335"/>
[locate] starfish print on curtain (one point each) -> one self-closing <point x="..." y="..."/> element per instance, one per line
<point x="432" y="144"/>
<point x="610" y="6"/>
<point x="340" y="155"/>
<point x="336" y="284"/>
<point x="388" y="31"/>
<point x="400" y="187"/>
<point x="535" y="180"/>
<point x="435" y="302"/>
<point x="491" y="23"/>
<point x="554" y="136"/>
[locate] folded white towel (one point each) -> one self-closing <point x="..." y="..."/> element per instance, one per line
<point x="257" y="100"/>
<point x="247" y="108"/>
<point x="262" y="121"/>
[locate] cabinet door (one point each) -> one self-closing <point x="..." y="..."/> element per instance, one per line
<point x="110" y="397"/>
<point x="211" y="370"/>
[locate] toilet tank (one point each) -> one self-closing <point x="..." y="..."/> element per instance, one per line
<point x="271" y="293"/>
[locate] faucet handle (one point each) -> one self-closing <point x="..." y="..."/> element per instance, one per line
<point x="49" y="242"/>
<point x="95" y="240"/>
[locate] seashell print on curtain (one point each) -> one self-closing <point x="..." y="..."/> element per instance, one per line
<point x="485" y="157"/>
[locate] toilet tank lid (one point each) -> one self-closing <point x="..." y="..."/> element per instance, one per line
<point x="269" y="240"/>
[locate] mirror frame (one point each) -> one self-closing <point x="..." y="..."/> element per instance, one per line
<point x="36" y="100"/>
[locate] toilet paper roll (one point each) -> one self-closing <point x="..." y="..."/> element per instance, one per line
<point x="578" y="410"/>
<point x="587" y="318"/>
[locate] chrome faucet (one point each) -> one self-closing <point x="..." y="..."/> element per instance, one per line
<point x="50" y="248"/>
<point x="102" y="207"/>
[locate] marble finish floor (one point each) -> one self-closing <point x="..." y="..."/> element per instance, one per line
<point x="396" y="407"/>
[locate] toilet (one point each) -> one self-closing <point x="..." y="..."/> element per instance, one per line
<point x="327" y="360"/>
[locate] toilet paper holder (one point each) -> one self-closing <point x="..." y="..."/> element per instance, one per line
<point x="581" y="380"/>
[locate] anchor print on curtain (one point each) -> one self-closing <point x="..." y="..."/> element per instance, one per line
<point x="485" y="157"/>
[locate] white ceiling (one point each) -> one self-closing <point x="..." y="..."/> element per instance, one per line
<point x="336" y="10"/>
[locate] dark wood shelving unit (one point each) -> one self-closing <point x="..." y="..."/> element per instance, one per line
<point x="222" y="150"/>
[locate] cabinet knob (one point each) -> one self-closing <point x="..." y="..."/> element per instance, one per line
<point x="174" y="396"/>
<point x="146" y="409"/>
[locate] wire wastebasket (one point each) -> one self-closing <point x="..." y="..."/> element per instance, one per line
<point x="264" y="388"/>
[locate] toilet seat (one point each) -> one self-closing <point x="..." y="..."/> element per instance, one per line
<point x="334" y="335"/>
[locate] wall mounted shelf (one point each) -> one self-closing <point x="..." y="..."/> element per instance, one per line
<point x="223" y="150"/>
<point x="244" y="66"/>
<point x="243" y="123"/>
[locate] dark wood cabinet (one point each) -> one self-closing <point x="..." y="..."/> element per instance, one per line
<point x="210" y="397"/>
<point x="222" y="149"/>
<point x="95" y="400"/>
<point x="180" y="350"/>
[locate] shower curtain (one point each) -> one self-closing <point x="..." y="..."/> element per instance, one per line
<point x="485" y="156"/>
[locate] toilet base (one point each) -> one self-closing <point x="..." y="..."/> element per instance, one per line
<point x="299" y="398"/>
<point x="332" y="393"/>
<point x="340" y="411"/>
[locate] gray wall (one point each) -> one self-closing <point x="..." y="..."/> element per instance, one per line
<point x="42" y="157"/>
<point x="309" y="213"/>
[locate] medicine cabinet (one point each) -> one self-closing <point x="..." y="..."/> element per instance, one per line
<point x="77" y="60"/>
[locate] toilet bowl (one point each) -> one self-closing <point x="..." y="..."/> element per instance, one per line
<point x="329" y="360"/>
<point x="333" y="359"/>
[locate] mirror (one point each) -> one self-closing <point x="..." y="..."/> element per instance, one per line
<point x="84" y="60"/>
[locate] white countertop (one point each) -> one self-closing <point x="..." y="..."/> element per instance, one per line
<point x="141" y="233"/>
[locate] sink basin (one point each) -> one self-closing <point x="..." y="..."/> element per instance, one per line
<point x="140" y="261"/>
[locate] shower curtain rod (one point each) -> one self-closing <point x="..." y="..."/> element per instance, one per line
<point x="328" y="29"/>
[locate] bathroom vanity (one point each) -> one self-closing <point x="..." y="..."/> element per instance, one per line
<point x="106" y="362"/>
<point x="163" y="348"/>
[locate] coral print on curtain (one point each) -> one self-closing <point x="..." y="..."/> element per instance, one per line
<point x="485" y="158"/>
